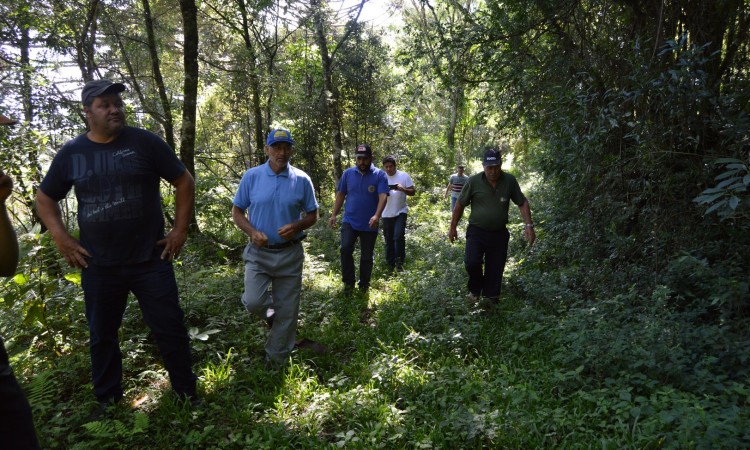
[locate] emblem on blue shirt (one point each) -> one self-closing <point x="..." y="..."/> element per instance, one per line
<point x="371" y="188"/>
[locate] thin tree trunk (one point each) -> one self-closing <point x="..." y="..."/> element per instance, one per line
<point x="166" y="120"/>
<point x="330" y="95"/>
<point x="187" y="143"/>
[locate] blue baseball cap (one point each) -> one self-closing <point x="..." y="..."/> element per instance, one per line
<point x="279" y="135"/>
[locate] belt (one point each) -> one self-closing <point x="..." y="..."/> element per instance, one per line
<point x="284" y="244"/>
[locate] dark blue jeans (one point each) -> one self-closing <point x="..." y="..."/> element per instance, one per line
<point x="366" y="257"/>
<point x="16" y="424"/>
<point x="394" y="234"/>
<point x="106" y="292"/>
<point x="488" y="249"/>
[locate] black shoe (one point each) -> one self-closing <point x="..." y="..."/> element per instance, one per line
<point x="197" y="404"/>
<point x="348" y="289"/>
<point x="104" y="411"/>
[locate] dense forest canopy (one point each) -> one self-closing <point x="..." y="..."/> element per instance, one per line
<point x="627" y="122"/>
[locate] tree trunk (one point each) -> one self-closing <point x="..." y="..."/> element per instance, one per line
<point x="166" y="116"/>
<point x="330" y="95"/>
<point x="187" y="144"/>
<point x="255" y="89"/>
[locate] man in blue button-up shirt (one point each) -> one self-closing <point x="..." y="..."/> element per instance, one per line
<point x="365" y="189"/>
<point x="274" y="204"/>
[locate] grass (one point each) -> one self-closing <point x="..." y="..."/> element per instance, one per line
<point x="411" y="365"/>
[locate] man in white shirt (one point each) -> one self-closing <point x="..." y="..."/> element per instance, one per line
<point x="395" y="212"/>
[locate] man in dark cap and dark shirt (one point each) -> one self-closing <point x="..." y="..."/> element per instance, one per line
<point x="364" y="188"/>
<point x="116" y="171"/>
<point x="489" y="193"/>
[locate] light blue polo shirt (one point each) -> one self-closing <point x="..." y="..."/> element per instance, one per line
<point x="362" y="191"/>
<point x="274" y="200"/>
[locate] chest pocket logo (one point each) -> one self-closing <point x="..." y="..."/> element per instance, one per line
<point x="371" y="188"/>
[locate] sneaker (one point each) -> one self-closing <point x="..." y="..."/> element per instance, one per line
<point x="472" y="298"/>
<point x="270" y="315"/>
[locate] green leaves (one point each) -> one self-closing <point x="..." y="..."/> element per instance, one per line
<point x="730" y="198"/>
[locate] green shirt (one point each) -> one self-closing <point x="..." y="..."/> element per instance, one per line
<point x="489" y="206"/>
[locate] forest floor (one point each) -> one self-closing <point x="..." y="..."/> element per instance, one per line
<point x="410" y="364"/>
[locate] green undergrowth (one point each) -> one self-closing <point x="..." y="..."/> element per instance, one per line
<point x="408" y="365"/>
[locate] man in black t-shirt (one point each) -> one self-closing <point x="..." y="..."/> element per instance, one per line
<point x="116" y="170"/>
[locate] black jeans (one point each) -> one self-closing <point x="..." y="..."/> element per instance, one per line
<point x="488" y="249"/>
<point x="16" y="424"/>
<point x="106" y="292"/>
<point x="394" y="234"/>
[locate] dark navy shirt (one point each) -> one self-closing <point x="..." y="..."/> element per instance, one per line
<point x="117" y="188"/>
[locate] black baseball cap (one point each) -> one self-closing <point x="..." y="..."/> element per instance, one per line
<point x="363" y="150"/>
<point x="96" y="88"/>
<point x="491" y="157"/>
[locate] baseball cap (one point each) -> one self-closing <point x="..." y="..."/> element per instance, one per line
<point x="96" y="88"/>
<point x="491" y="157"/>
<point x="7" y="121"/>
<point x="363" y="150"/>
<point x="279" y="135"/>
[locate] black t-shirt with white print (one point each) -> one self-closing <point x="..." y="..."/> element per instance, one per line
<point x="117" y="189"/>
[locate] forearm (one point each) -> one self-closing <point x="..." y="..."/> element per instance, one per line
<point x="458" y="212"/>
<point x="382" y="199"/>
<point x="338" y="203"/>
<point x="184" y="201"/>
<point x="307" y="221"/>
<point x="241" y="221"/>
<point x="525" y="210"/>
<point x="411" y="190"/>
<point x="8" y="244"/>
<point x="50" y="214"/>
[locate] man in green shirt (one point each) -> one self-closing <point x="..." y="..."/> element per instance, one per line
<point x="489" y="193"/>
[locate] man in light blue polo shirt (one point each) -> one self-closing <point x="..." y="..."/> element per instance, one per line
<point x="274" y="204"/>
<point x="365" y="189"/>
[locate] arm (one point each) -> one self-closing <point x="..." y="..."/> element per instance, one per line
<point x="69" y="247"/>
<point x="184" y="201"/>
<point x="258" y="238"/>
<point x="374" y="220"/>
<point x="448" y="189"/>
<point x="337" y="204"/>
<point x="411" y="190"/>
<point x="528" y="231"/>
<point x="458" y="212"/>
<point x="289" y="230"/>
<point x="8" y="242"/>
